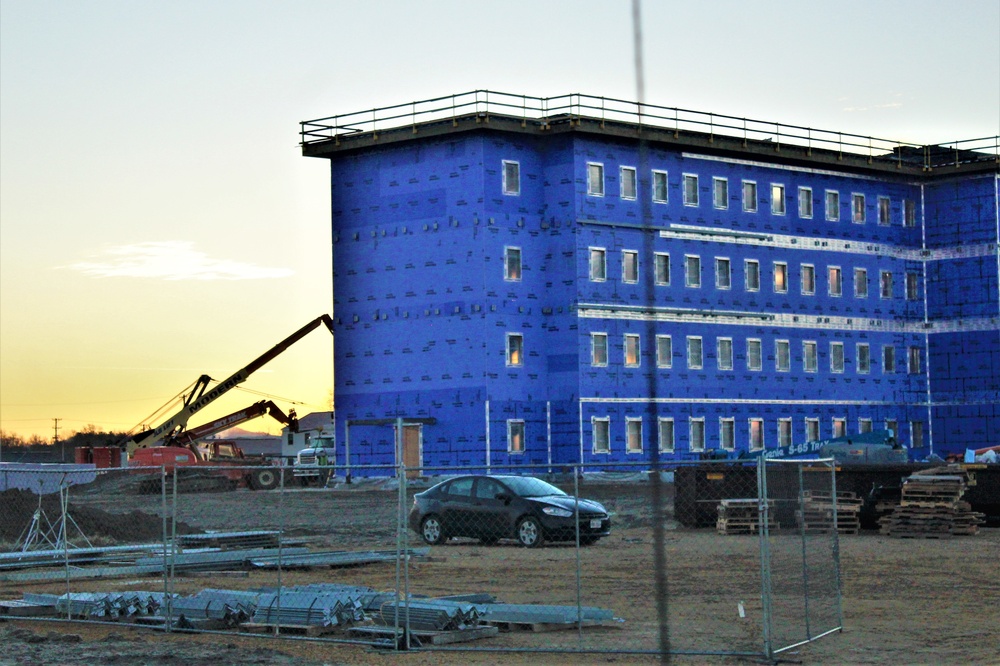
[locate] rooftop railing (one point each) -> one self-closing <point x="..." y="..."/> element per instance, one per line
<point x="543" y="111"/>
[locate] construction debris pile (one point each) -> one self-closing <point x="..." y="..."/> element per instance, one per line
<point x="818" y="514"/>
<point x="931" y="507"/>
<point x="314" y="610"/>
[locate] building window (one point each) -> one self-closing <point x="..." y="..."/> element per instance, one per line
<point x="598" y="265"/>
<point x="777" y="199"/>
<point x="883" y="211"/>
<point x="660" y="187"/>
<point x="780" y="277"/>
<point x="839" y="427"/>
<point x="861" y="282"/>
<point x="805" y="202"/>
<point x="723" y="274"/>
<point x="633" y="435"/>
<point x="720" y="193"/>
<point x="864" y="425"/>
<point x="697" y="434"/>
<point x="864" y="360"/>
<point x="917" y="434"/>
<point x="858" y="208"/>
<point x="808" y="279"/>
<point x="661" y="262"/>
<point x="511" y="178"/>
<point x="885" y="282"/>
<point x="595" y="179"/>
<point x="630" y="266"/>
<point x="515" y="436"/>
<point x="912" y="286"/>
<point x="512" y="263"/>
<point x="909" y="213"/>
<point x="751" y="269"/>
<point x="893" y="427"/>
<point x="631" y="350"/>
<point x="837" y="357"/>
<point x="812" y="429"/>
<point x="602" y="434"/>
<point x="756" y="434"/>
<point x="727" y="434"/>
<point x="627" y="184"/>
<point x="888" y="359"/>
<point x="749" y="196"/>
<point x="664" y="351"/>
<point x="692" y="270"/>
<point x="724" y="353"/>
<point x="695" y="355"/>
<point x="832" y="205"/>
<point x="913" y="360"/>
<point x="665" y="434"/>
<point x="599" y="349"/>
<point x="690" y="189"/>
<point x="784" y="432"/>
<point x="754" y="361"/>
<point x="809" y="361"/>
<point x="515" y="349"/>
<point x="782" y="356"/>
<point x="836" y="287"/>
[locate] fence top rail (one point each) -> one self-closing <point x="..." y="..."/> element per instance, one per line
<point x="575" y="107"/>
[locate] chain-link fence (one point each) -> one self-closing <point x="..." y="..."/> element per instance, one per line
<point x="701" y="558"/>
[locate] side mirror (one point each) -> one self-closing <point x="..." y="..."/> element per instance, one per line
<point x="504" y="497"/>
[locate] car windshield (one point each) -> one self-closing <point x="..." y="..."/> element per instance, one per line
<point x="526" y="486"/>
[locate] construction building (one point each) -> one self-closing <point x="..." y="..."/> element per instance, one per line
<point x="543" y="281"/>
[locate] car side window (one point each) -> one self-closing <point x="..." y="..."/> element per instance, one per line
<point x="488" y="489"/>
<point x="460" y="488"/>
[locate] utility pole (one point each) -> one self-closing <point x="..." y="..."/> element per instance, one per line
<point x="55" y="437"/>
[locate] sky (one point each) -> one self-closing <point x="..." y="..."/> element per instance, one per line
<point x="157" y="219"/>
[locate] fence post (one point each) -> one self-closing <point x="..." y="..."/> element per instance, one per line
<point x="805" y="560"/>
<point x="765" y="555"/>
<point x="836" y="544"/>
<point x="168" y="602"/>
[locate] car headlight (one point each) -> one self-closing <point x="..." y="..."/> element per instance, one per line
<point x="556" y="511"/>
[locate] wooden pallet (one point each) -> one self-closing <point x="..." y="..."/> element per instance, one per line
<point x="930" y="507"/>
<point x="742" y="516"/>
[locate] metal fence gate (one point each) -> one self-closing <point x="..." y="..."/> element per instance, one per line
<point x="709" y="558"/>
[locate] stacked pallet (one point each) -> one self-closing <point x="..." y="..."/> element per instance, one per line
<point x="930" y="507"/>
<point x="742" y="516"/>
<point x="817" y="514"/>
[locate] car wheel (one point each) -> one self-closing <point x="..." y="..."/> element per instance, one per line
<point x="431" y="530"/>
<point x="264" y="479"/>
<point x="529" y="532"/>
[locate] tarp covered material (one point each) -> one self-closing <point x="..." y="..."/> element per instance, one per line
<point x="44" y="478"/>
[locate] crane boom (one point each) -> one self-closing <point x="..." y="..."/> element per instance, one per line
<point x="200" y="397"/>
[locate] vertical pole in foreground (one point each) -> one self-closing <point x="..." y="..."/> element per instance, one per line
<point x="649" y="290"/>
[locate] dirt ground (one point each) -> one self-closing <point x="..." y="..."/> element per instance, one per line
<point x="905" y="600"/>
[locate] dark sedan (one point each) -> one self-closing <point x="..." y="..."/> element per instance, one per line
<point x="490" y="508"/>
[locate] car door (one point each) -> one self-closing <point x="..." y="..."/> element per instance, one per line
<point x="456" y="507"/>
<point x="489" y="512"/>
